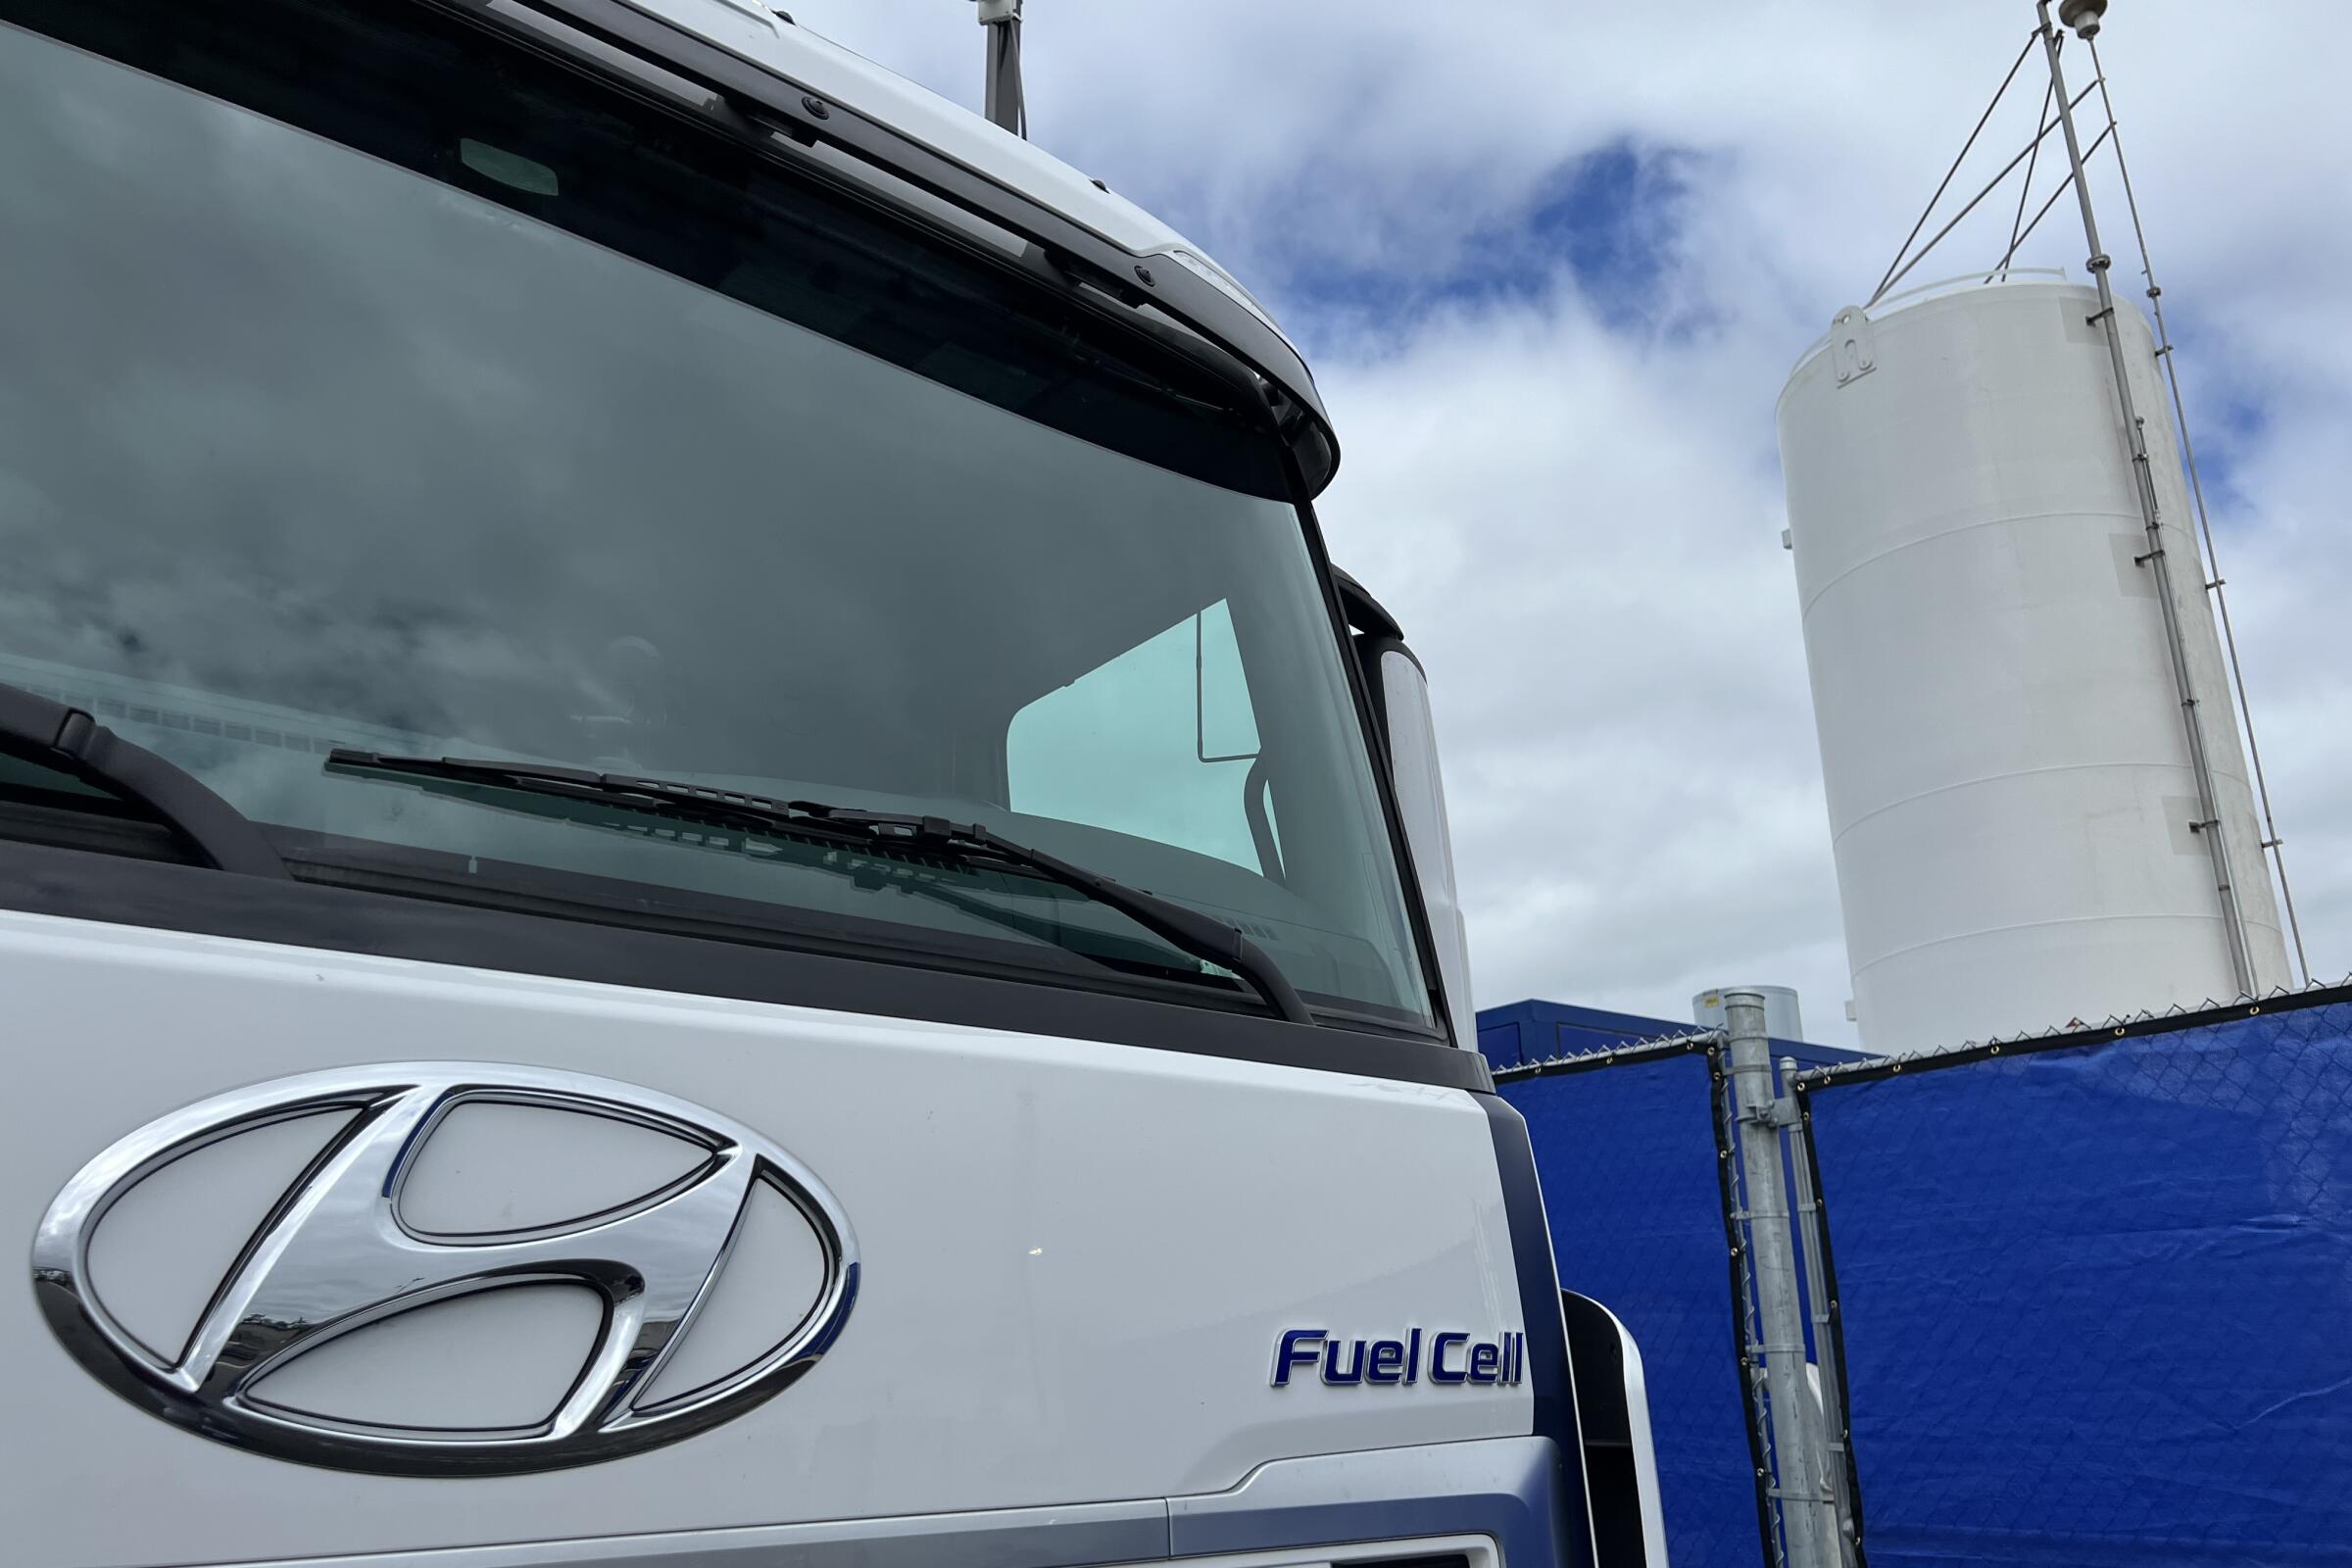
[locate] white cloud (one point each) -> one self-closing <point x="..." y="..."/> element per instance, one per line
<point x="1576" y="512"/>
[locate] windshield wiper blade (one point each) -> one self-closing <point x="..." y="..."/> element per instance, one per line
<point x="53" y="735"/>
<point x="1202" y="936"/>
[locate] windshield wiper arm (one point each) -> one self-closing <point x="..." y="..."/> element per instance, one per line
<point x="1202" y="936"/>
<point x="52" y="735"/>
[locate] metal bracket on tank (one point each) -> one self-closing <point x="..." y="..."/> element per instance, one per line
<point x="1854" y="344"/>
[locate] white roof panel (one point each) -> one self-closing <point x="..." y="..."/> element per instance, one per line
<point x="816" y="65"/>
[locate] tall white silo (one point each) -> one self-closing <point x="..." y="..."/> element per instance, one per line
<point x="2013" y="799"/>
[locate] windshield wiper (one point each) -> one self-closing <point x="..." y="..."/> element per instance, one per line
<point x="48" y="734"/>
<point x="1188" y="930"/>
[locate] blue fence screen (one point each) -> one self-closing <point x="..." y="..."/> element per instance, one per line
<point x="1626" y="1152"/>
<point x="1627" y="1158"/>
<point x="2096" y="1301"/>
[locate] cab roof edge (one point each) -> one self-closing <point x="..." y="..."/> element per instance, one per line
<point x="880" y="119"/>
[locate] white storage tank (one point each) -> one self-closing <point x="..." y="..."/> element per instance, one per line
<point x="2012" y="802"/>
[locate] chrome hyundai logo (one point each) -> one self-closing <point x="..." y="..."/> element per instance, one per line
<point x="335" y="1255"/>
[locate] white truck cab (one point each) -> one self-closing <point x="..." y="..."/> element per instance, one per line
<point x="698" y="863"/>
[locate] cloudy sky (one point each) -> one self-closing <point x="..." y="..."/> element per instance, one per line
<point x="1552" y="261"/>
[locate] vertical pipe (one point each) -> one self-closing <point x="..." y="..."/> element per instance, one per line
<point x="1006" y="103"/>
<point x="2233" y="916"/>
<point x="1836" y="1432"/>
<point x="1809" y="1529"/>
<point x="1750" y="1329"/>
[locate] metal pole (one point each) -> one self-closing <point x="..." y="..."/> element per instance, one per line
<point x="1807" y="1520"/>
<point x="1006" y="105"/>
<point x="1837" y="1429"/>
<point x="2233" y="915"/>
<point x="2272" y="840"/>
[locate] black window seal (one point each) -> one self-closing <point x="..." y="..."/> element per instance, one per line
<point x="1135" y="280"/>
<point x="154" y="895"/>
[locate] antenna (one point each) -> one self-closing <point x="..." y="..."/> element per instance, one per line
<point x="2084" y="17"/>
<point x="1006" y="106"/>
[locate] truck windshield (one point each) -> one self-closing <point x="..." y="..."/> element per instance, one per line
<point x="368" y="381"/>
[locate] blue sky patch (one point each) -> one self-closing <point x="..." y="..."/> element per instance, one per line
<point x="1610" y="220"/>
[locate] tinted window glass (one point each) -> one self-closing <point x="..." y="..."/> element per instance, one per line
<point x="486" y="446"/>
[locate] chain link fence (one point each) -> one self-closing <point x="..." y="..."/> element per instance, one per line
<point x="1633" y="1146"/>
<point x="2081" y="1301"/>
<point x="2093" y="1294"/>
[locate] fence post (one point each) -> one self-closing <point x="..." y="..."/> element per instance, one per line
<point x="1808" y="1522"/>
<point x="1836" y="1432"/>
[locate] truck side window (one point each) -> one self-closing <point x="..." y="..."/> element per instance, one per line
<point x="1158" y="742"/>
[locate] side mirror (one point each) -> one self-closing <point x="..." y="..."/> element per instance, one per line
<point x="1403" y="694"/>
<point x="1409" y="734"/>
